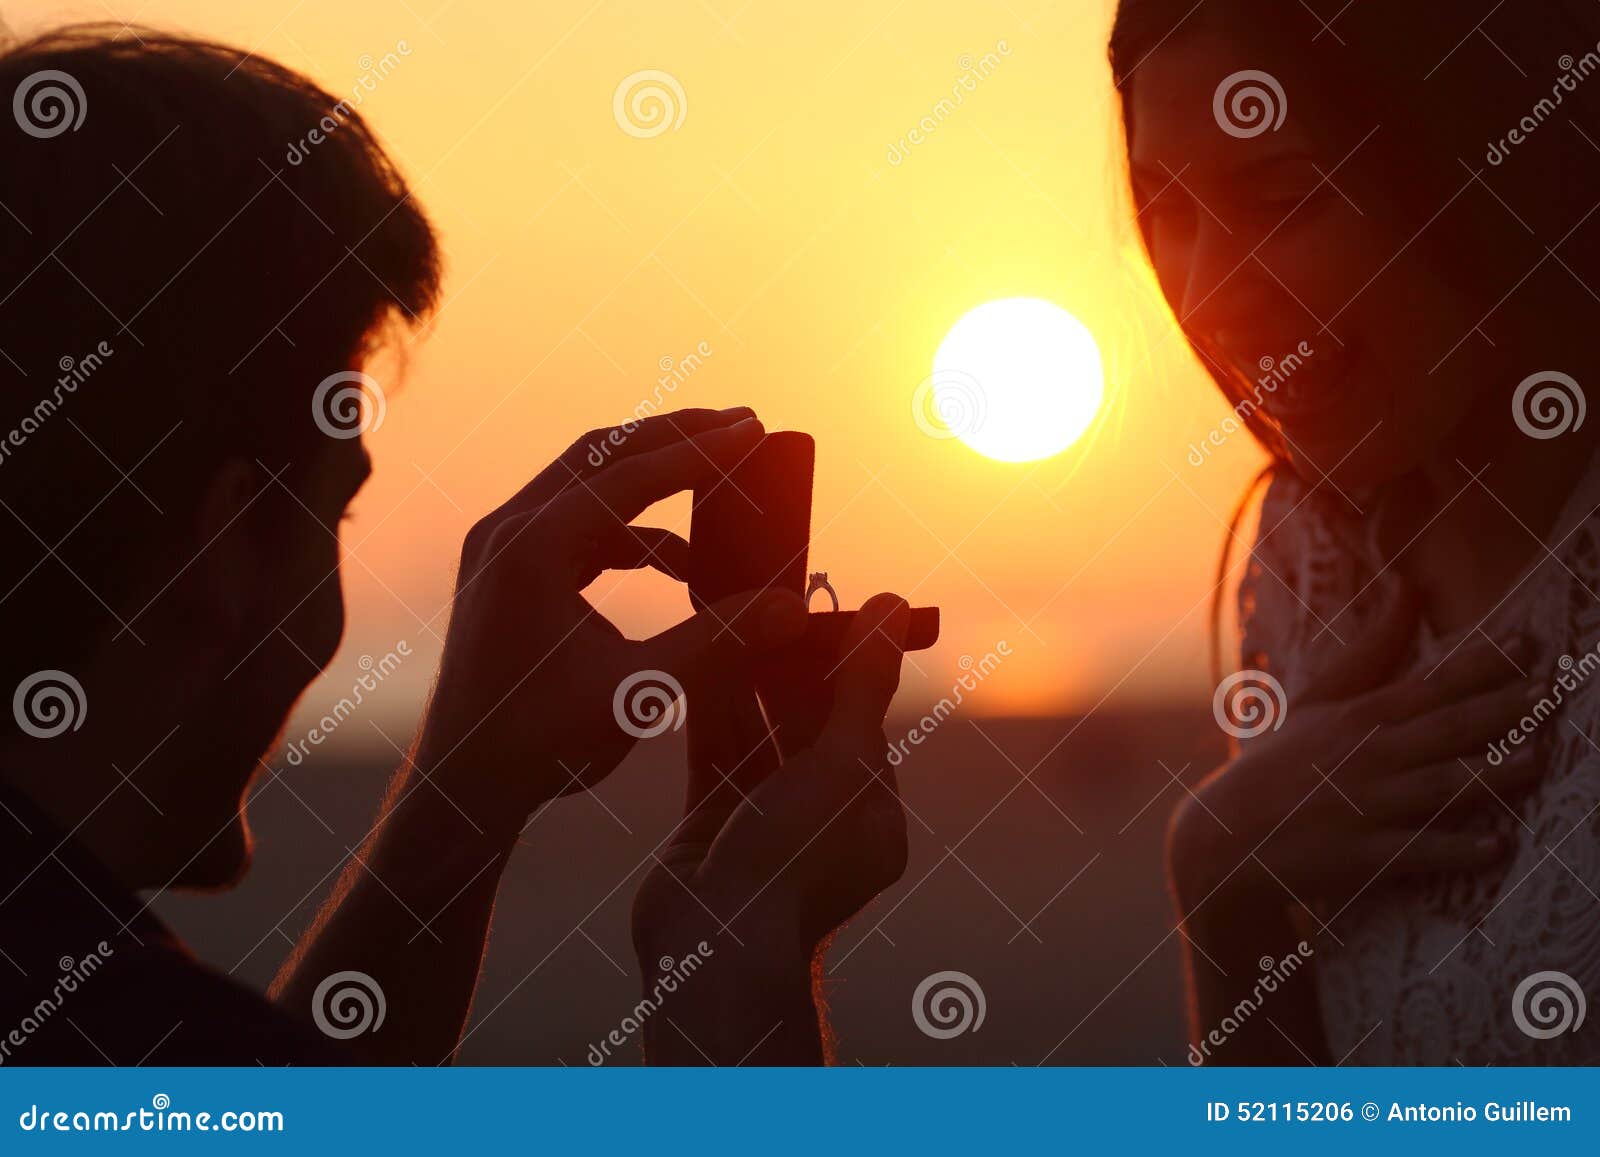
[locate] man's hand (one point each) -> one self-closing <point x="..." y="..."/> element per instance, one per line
<point x="524" y="709"/>
<point x="772" y="857"/>
<point x="523" y="712"/>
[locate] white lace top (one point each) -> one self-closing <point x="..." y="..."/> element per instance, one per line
<point x="1430" y="966"/>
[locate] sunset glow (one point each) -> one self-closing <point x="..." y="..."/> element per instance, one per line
<point x="641" y="207"/>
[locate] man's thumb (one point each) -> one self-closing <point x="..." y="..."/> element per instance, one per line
<point x="751" y="623"/>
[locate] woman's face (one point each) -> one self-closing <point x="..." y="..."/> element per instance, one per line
<point x="1262" y="243"/>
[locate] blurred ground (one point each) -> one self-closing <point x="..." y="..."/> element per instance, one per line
<point x="1047" y="890"/>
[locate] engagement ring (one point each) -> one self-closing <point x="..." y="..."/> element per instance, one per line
<point x="819" y="582"/>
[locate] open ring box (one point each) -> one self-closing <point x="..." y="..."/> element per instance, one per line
<point x="751" y="530"/>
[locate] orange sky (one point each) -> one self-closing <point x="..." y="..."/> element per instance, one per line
<point x="771" y="226"/>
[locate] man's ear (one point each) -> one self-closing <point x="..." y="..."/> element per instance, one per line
<point x="231" y="563"/>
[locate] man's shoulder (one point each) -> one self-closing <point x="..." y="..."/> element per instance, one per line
<point x="89" y="975"/>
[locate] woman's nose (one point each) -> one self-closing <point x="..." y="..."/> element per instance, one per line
<point x="1215" y="260"/>
<point x="1228" y="290"/>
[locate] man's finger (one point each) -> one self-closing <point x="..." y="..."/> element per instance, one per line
<point x="638" y="547"/>
<point x="743" y="625"/>
<point x="868" y="672"/>
<point x="624" y="490"/>
<point x="730" y="749"/>
<point x="601" y="447"/>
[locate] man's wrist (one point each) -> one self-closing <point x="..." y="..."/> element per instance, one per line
<point x="455" y="833"/>
<point x="494" y="803"/>
<point x="744" y="955"/>
<point x="727" y="1003"/>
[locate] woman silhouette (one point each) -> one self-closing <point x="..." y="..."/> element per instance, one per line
<point x="1403" y="196"/>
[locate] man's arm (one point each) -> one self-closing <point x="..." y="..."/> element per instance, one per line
<point x="411" y="910"/>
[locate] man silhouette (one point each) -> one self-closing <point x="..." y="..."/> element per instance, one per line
<point x="182" y="318"/>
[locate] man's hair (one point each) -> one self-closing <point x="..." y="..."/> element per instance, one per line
<point x="182" y="262"/>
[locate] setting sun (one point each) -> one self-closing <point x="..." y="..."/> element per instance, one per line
<point x="1017" y="380"/>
